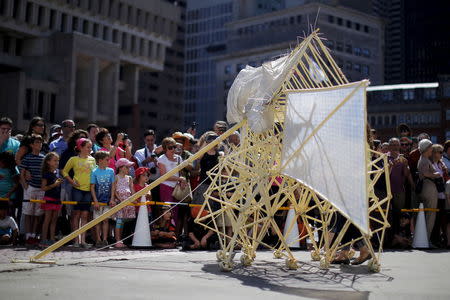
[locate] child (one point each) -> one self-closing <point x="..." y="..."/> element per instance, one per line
<point x="140" y="181"/>
<point x="122" y="189"/>
<point x="51" y="184"/>
<point x="102" y="179"/>
<point x="163" y="233"/>
<point x="82" y="166"/>
<point x="8" y="227"/>
<point x="9" y="179"/>
<point x="403" y="239"/>
<point x="32" y="162"/>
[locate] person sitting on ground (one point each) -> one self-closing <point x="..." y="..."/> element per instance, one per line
<point x="102" y="179"/>
<point x="402" y="239"/>
<point x="8" y="227"/>
<point x="163" y="230"/>
<point x="198" y="236"/>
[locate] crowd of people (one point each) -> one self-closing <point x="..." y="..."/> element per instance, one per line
<point x="97" y="172"/>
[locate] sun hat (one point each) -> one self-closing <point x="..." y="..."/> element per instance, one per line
<point x="123" y="162"/>
<point x="140" y="171"/>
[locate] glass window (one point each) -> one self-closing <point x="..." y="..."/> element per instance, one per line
<point x="366" y="52"/>
<point x="358" y="26"/>
<point x="366" y="28"/>
<point x="339" y="21"/>
<point x="357" y="51"/>
<point x="349" y="24"/>
<point x="357" y="67"/>
<point x="348" y="65"/>
<point x="348" y="48"/>
<point x="430" y="93"/>
<point x="408" y="94"/>
<point x="239" y="67"/>
<point x="330" y="19"/>
<point x="339" y="46"/>
<point x="299" y="19"/>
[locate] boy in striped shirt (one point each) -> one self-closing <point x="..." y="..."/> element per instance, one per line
<point x="32" y="162"/>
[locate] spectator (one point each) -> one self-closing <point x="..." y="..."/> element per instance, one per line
<point x="122" y="190"/>
<point x="167" y="162"/>
<point x="405" y="146"/>
<point x="140" y="181"/>
<point x="9" y="179"/>
<point x="51" y="185"/>
<point x="32" y="163"/>
<point x="8" y="228"/>
<point x="198" y="236"/>
<point x="82" y="166"/>
<point x="399" y="170"/>
<point x="439" y="167"/>
<point x="220" y="127"/>
<point x="147" y="156"/>
<point x="163" y="231"/>
<point x="55" y="133"/>
<point x="102" y="180"/>
<point x="235" y="139"/>
<point x="36" y="126"/>
<point x="402" y="239"/>
<point x="427" y="174"/>
<point x="404" y="130"/>
<point x="414" y="156"/>
<point x="92" y="130"/>
<point x="446" y="154"/>
<point x="7" y="144"/>
<point x="59" y="145"/>
<point x="384" y="148"/>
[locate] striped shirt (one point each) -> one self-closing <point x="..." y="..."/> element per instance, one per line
<point x="33" y="164"/>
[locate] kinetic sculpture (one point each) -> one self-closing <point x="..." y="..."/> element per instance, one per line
<point x="303" y="146"/>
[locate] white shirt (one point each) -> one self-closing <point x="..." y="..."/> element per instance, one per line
<point x="141" y="155"/>
<point x="170" y="165"/>
<point x="8" y="222"/>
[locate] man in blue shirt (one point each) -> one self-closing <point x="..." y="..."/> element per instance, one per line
<point x="7" y="143"/>
<point x="59" y="145"/>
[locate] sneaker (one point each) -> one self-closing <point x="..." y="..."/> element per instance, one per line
<point x="86" y="245"/>
<point x="105" y="243"/>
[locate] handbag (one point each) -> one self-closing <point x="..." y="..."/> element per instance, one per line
<point x="440" y="184"/>
<point x="180" y="193"/>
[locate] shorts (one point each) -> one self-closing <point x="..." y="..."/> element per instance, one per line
<point x="84" y="199"/>
<point x="51" y="205"/>
<point x="101" y="210"/>
<point x="31" y="208"/>
<point x="5" y="231"/>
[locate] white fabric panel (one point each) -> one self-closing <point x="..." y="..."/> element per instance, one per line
<point x="333" y="161"/>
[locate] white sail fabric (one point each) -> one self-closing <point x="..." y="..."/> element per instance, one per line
<point x="330" y="156"/>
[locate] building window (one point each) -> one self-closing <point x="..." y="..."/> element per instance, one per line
<point x="394" y="120"/>
<point x="379" y="120"/>
<point x="74" y="24"/>
<point x="339" y="21"/>
<point x="388" y="95"/>
<point x="299" y="19"/>
<point x="29" y="12"/>
<point x="52" y="107"/>
<point x="96" y="30"/>
<point x="348" y="65"/>
<point x="348" y="48"/>
<point x="63" y="27"/>
<point x="115" y="36"/>
<point x="372" y="121"/>
<point x="366" y="28"/>
<point x="349" y="24"/>
<point x="357" y="67"/>
<point x="357" y="26"/>
<point x="239" y="67"/>
<point x="430" y="94"/>
<point x="387" y="120"/>
<point x="330" y="19"/>
<point x="408" y="94"/>
<point x="227" y="69"/>
<point x="85" y="27"/>
<point x="339" y="46"/>
<point x="357" y="51"/>
<point x="365" y="70"/>
<point x="41" y="16"/>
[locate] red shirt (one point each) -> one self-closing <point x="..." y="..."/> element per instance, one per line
<point x="137" y="188"/>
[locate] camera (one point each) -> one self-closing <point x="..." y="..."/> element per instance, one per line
<point x="125" y="136"/>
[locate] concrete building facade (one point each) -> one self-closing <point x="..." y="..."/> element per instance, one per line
<point x="355" y="40"/>
<point x="81" y="59"/>
<point x="424" y="107"/>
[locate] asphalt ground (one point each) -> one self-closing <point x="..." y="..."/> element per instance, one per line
<point x="172" y="274"/>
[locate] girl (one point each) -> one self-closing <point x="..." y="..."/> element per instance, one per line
<point x="167" y="162"/>
<point x="140" y="181"/>
<point x="121" y="190"/>
<point x="51" y="184"/>
<point x="82" y="165"/>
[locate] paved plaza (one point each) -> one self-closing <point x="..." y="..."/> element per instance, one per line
<point x="172" y="274"/>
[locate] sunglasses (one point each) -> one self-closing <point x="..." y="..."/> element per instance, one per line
<point x="171" y="147"/>
<point x="405" y="144"/>
<point x="40" y="125"/>
<point x="69" y="126"/>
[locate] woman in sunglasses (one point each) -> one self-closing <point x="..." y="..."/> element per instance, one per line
<point x="167" y="162"/>
<point x="37" y="126"/>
